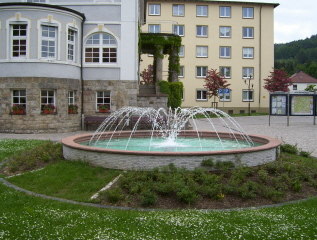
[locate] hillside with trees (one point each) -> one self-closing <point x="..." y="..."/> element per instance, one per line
<point x="300" y="55"/>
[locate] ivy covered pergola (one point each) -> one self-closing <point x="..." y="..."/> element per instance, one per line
<point x="160" y="44"/>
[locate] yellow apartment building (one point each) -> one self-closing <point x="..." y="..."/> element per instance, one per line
<point x="234" y="37"/>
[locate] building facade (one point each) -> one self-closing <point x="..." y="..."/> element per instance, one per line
<point x="236" y="38"/>
<point x="66" y="52"/>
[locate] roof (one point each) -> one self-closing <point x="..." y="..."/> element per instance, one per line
<point x="227" y="1"/>
<point x="302" y="77"/>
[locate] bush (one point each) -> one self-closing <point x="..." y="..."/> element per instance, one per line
<point x="114" y="195"/>
<point x="288" y="148"/>
<point x="224" y="165"/>
<point x="186" y="195"/>
<point x="208" y="162"/>
<point x="148" y="198"/>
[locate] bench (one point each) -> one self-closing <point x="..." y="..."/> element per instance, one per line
<point x="93" y="121"/>
<point x="145" y="122"/>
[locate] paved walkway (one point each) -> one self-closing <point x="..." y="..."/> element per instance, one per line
<point x="301" y="130"/>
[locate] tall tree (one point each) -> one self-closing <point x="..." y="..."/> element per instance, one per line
<point x="214" y="81"/>
<point x="277" y="81"/>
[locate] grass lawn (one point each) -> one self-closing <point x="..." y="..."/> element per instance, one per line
<point x="27" y="217"/>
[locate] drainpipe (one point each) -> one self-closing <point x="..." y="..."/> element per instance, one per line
<point x="81" y="73"/>
<point x="260" y="56"/>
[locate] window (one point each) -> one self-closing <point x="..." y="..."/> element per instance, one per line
<point x="19" y="97"/>
<point x="103" y="97"/>
<point x="178" y="10"/>
<point x="71" y="97"/>
<point x="247" y="12"/>
<point x="49" y="41"/>
<point x="226" y="72"/>
<point x="225" y="52"/>
<point x="179" y="30"/>
<point x="101" y="48"/>
<point x="181" y="51"/>
<point x="19" y="36"/>
<point x="154" y="9"/>
<point x="154" y="28"/>
<point x="225" y="31"/>
<point x="71" y="45"/>
<point x="247" y="72"/>
<point x="47" y="97"/>
<point x="201" y="11"/>
<point x="247" y="96"/>
<point x="224" y="95"/>
<point x="201" y="95"/>
<point x="181" y="71"/>
<point x="294" y="87"/>
<point x="201" y="72"/>
<point x="225" y="11"/>
<point x="201" y="51"/>
<point x="247" y="32"/>
<point x="248" y="52"/>
<point x="201" y="31"/>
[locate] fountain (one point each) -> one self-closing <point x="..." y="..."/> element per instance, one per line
<point x="121" y="142"/>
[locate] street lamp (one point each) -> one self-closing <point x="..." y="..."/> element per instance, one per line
<point x="250" y="86"/>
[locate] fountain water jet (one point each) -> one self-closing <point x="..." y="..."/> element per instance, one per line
<point x="117" y="143"/>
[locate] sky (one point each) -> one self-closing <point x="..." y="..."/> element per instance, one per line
<point x="293" y="19"/>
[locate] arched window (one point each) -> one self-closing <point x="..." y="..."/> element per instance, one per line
<point x="101" y="48"/>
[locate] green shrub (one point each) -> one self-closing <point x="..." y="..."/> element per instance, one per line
<point x="187" y="195"/>
<point x="292" y="149"/>
<point x="148" y="198"/>
<point x="174" y="91"/>
<point x="208" y="162"/>
<point x="114" y="195"/>
<point x="224" y="165"/>
<point x="305" y="154"/>
<point x="271" y="193"/>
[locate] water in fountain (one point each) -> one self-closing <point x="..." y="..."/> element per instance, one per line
<point x="165" y="128"/>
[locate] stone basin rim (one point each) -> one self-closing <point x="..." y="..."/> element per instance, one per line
<point x="268" y="143"/>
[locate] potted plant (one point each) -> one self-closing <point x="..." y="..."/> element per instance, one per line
<point x="72" y="108"/>
<point x="18" y="109"/>
<point x="103" y="108"/>
<point x="48" y="108"/>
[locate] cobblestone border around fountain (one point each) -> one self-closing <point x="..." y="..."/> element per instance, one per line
<point x="139" y="160"/>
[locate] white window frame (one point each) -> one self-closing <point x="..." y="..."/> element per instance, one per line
<point x="201" y="70"/>
<point x="247" y="72"/>
<point x="71" y="97"/>
<point x="71" y="45"/>
<point x="203" y="95"/>
<point x="202" y="51"/>
<point x="247" y="52"/>
<point x="48" y="98"/>
<point x="225" y="11"/>
<point x="223" y="31"/>
<point x="95" y="42"/>
<point x="247" y="12"/>
<point x="246" y="95"/>
<point x="16" y="48"/>
<point x="247" y="32"/>
<point x="179" y="10"/>
<point x="52" y="41"/>
<point x="103" y="97"/>
<point x="20" y="98"/>
<point x="154" y="9"/>
<point x="181" y="51"/>
<point x="226" y="72"/>
<point x="201" y="31"/>
<point x="202" y="11"/>
<point x="225" y="52"/>
<point x="154" y="28"/>
<point x="181" y="71"/>
<point x="179" y="30"/>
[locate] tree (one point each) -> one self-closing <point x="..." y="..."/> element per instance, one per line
<point x="277" y="81"/>
<point x="147" y="75"/>
<point x="214" y="81"/>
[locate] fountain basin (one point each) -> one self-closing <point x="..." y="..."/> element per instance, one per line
<point x="144" y="160"/>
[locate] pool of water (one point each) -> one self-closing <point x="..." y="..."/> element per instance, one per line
<point x="180" y="144"/>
